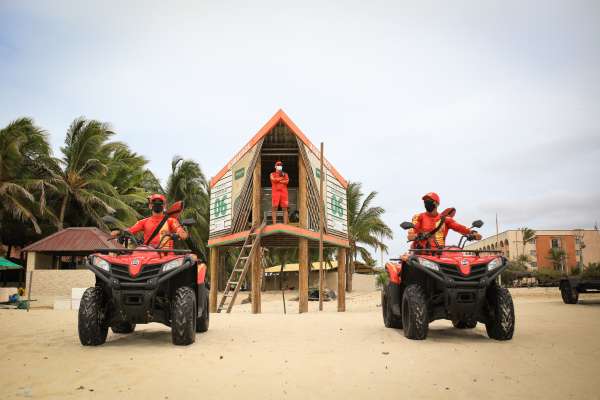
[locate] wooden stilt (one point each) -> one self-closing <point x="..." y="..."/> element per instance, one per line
<point x="214" y="278"/>
<point x="303" y="275"/>
<point x="341" y="298"/>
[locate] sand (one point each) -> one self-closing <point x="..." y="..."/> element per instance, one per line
<point x="555" y="354"/>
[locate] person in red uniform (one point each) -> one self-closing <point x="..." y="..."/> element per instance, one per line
<point x="430" y="221"/>
<point x="279" y="191"/>
<point x="156" y="203"/>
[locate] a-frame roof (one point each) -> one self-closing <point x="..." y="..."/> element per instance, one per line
<point x="280" y="116"/>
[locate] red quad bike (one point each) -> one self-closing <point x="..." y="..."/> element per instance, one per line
<point x="142" y="285"/>
<point x="451" y="283"/>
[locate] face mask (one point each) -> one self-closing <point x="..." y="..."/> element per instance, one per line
<point x="157" y="207"/>
<point x="279" y="168"/>
<point x="429" y="205"/>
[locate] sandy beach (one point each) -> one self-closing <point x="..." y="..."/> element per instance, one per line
<point x="555" y="354"/>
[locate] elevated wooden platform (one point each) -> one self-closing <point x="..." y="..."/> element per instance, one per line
<point x="280" y="235"/>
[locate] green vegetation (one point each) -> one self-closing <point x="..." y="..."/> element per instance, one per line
<point x="94" y="176"/>
<point x="365" y="227"/>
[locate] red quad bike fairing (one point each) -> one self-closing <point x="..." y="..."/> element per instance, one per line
<point x="144" y="284"/>
<point x="451" y="283"/>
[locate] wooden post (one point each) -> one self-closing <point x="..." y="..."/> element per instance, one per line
<point x="321" y="227"/>
<point x="256" y="221"/>
<point x="302" y="243"/>
<point x="214" y="278"/>
<point x="29" y="290"/>
<point x="341" y="298"/>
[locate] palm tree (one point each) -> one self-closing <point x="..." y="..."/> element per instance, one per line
<point x="557" y="256"/>
<point x="365" y="227"/>
<point x="127" y="174"/>
<point x="24" y="154"/>
<point x="188" y="183"/>
<point x="81" y="174"/>
<point x="527" y="235"/>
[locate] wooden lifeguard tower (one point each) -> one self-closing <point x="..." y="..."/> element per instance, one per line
<point x="240" y="210"/>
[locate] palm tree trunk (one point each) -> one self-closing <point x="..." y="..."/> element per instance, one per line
<point x="63" y="209"/>
<point x="350" y="271"/>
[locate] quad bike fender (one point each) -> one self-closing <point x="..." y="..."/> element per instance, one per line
<point x="201" y="274"/>
<point x="394" y="271"/>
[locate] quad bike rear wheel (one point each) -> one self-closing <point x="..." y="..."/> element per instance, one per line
<point x="203" y="321"/>
<point x="501" y="319"/>
<point x="568" y="294"/>
<point x="389" y="319"/>
<point x="123" y="327"/>
<point x="415" y="317"/>
<point x="183" y="317"/>
<point x="464" y="324"/>
<point x="91" y="324"/>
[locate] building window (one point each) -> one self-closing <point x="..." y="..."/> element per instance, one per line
<point x="532" y="241"/>
<point x="532" y="253"/>
<point x="578" y="252"/>
<point x="534" y="265"/>
<point x="555" y="243"/>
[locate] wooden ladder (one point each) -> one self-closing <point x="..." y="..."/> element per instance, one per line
<point x="240" y="269"/>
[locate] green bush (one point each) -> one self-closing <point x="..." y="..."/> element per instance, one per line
<point x="381" y="279"/>
<point x="548" y="277"/>
<point x="514" y="271"/>
<point x="591" y="271"/>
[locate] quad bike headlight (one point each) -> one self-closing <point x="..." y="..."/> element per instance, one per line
<point x="428" y="264"/>
<point x="495" y="263"/>
<point x="101" y="263"/>
<point x="176" y="263"/>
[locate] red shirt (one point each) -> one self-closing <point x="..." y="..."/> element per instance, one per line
<point x="279" y="181"/>
<point x="148" y="225"/>
<point x="426" y="223"/>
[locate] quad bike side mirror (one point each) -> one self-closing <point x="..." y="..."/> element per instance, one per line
<point x="175" y="208"/>
<point x="407" y="225"/>
<point x="188" y="222"/>
<point x="477" y="224"/>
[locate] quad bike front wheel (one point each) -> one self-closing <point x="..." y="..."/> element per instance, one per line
<point x="183" y="317"/>
<point x="501" y="319"/>
<point x="389" y="319"/>
<point x="123" y="327"/>
<point x="203" y="321"/>
<point x="415" y="317"/>
<point x="568" y="294"/>
<point x="91" y="324"/>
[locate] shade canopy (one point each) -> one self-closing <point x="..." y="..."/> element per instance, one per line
<point x="7" y="264"/>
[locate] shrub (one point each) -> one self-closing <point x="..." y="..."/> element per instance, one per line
<point x="381" y="279"/>
<point x="548" y="277"/>
<point x="592" y="271"/>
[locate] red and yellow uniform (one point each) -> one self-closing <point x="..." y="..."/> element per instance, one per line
<point x="148" y="225"/>
<point x="279" y="190"/>
<point x="425" y="223"/>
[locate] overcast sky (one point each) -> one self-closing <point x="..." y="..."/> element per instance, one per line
<point x="494" y="105"/>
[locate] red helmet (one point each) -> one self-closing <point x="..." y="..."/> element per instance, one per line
<point x="157" y="197"/>
<point x="433" y="196"/>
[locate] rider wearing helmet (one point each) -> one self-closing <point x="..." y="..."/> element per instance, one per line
<point x="157" y="203"/>
<point x="439" y="224"/>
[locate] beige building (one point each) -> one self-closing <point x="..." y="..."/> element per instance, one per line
<point x="579" y="245"/>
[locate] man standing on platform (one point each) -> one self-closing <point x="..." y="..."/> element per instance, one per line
<point x="279" y="184"/>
